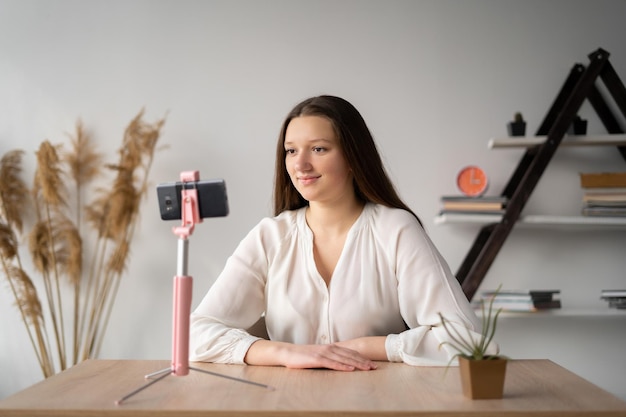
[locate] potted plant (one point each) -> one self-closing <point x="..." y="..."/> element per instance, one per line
<point x="517" y="127"/>
<point x="482" y="373"/>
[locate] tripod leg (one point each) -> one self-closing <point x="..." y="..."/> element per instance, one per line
<point x="157" y="373"/>
<point x="232" y="378"/>
<point x="143" y="387"/>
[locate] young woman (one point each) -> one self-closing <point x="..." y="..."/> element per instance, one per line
<point x="344" y="273"/>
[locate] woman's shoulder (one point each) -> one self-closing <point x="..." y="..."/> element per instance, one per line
<point x="280" y="225"/>
<point x="271" y="233"/>
<point x="395" y="226"/>
<point x="391" y="217"/>
<point x="285" y="218"/>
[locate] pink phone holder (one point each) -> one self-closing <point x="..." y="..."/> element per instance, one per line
<point x="183" y="289"/>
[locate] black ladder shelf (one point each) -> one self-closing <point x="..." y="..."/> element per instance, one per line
<point x="579" y="85"/>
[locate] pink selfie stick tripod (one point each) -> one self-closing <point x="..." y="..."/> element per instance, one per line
<point x="183" y="289"/>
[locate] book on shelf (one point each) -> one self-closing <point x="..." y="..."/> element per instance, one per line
<point x="602" y="179"/>
<point x="613" y="293"/>
<point x="602" y="203"/>
<point x="484" y="198"/>
<point x="483" y="204"/>
<point x="473" y="211"/>
<point x="614" y="298"/>
<point x="605" y="195"/>
<point x="605" y="190"/>
<point x="537" y="294"/>
<point x="619" y="303"/>
<point x="522" y="300"/>
<point x="452" y="205"/>
<point x="604" y="211"/>
<point x="523" y="306"/>
<point x="604" y="199"/>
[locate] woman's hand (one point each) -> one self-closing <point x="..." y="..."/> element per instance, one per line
<point x="332" y="356"/>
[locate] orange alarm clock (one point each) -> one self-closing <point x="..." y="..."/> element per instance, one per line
<point x="472" y="181"/>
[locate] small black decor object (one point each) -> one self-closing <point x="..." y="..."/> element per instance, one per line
<point x="578" y="127"/>
<point x="517" y="127"/>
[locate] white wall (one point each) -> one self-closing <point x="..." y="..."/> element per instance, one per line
<point x="434" y="79"/>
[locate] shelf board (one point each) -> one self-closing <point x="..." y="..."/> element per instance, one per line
<point x="568" y="140"/>
<point x="537" y="220"/>
<point x="563" y="312"/>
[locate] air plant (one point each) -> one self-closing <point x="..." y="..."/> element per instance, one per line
<point x="465" y="343"/>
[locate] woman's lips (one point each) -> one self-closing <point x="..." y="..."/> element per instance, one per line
<point x="307" y="180"/>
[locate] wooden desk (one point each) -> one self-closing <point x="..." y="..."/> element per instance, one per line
<point x="533" y="387"/>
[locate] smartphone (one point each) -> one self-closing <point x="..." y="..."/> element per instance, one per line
<point x="212" y="198"/>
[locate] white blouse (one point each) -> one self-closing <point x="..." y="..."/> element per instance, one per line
<point x="389" y="277"/>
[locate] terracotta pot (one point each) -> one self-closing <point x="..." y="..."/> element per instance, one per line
<point x="482" y="379"/>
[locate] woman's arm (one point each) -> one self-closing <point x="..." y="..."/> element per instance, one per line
<point x="372" y="347"/>
<point x="337" y="356"/>
<point x="233" y="303"/>
<point x="425" y="288"/>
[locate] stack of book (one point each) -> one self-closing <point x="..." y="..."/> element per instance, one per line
<point x="605" y="194"/>
<point x="522" y="300"/>
<point x="615" y="298"/>
<point x="473" y="205"/>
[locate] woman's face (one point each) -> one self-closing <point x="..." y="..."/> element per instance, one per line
<point x="315" y="161"/>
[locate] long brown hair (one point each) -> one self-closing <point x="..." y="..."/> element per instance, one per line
<point x="371" y="182"/>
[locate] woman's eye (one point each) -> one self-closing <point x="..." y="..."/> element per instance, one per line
<point x="290" y="151"/>
<point x="318" y="149"/>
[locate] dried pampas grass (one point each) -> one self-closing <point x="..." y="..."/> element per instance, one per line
<point x="82" y="247"/>
<point x="13" y="191"/>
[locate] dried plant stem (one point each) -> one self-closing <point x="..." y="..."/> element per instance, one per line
<point x="40" y="347"/>
<point x="84" y="165"/>
<point x="120" y="212"/>
<point x="60" y="337"/>
<point x="75" y="345"/>
<point x="108" y="308"/>
<point x="128" y="239"/>
<point x="77" y="290"/>
<point x="49" y="192"/>
<point x="97" y="305"/>
<point x="91" y="292"/>
<point x="99" y="327"/>
<point x="102" y="299"/>
<point x="53" y="294"/>
<point x="51" y="308"/>
<point x="13" y="199"/>
<point x="95" y="294"/>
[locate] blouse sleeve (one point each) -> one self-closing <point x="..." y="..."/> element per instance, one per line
<point x="233" y="303"/>
<point x="427" y="287"/>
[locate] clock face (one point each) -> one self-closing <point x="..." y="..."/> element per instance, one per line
<point x="472" y="181"/>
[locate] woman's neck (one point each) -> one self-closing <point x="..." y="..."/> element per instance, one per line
<point x="335" y="218"/>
